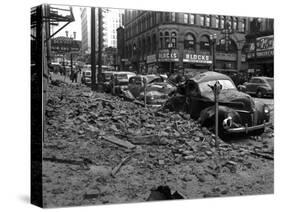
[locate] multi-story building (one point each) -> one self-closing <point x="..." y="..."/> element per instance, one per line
<point x="112" y="19"/>
<point x="86" y="30"/>
<point x="260" y="39"/>
<point x="169" y="41"/>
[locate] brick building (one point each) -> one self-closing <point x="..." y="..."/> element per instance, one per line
<point x="169" y="41"/>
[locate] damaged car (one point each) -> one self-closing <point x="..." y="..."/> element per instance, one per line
<point x="158" y="89"/>
<point x="239" y="114"/>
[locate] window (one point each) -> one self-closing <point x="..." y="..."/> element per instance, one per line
<point x="173" y="17"/>
<point x="243" y="25"/>
<point x="153" y="18"/>
<point x="235" y="24"/>
<point x="167" y="39"/>
<point x="143" y="47"/>
<point x="153" y="43"/>
<point x="222" y="22"/>
<point x="229" y="24"/>
<point x="185" y="18"/>
<point x="189" y="42"/>
<point x="148" y="45"/>
<point x="191" y="19"/>
<point x="174" y="39"/>
<point x="161" y="40"/>
<point x="202" y="20"/>
<point x="254" y="80"/>
<point x="217" y="22"/>
<point x="204" y="43"/>
<point x="167" y="17"/>
<point x="229" y="47"/>
<point x="207" y="21"/>
<point x="161" y="17"/>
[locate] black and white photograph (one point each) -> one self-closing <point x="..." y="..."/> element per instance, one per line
<point x="131" y="105"/>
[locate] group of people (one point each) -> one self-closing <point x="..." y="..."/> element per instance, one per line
<point x="74" y="73"/>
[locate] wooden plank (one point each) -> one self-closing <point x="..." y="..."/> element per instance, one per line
<point x="147" y="140"/>
<point x="119" y="142"/>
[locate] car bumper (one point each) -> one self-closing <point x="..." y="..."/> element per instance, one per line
<point x="248" y="130"/>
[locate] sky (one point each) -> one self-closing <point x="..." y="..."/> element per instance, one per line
<point x="73" y="26"/>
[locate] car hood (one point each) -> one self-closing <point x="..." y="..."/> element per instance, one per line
<point x="233" y="98"/>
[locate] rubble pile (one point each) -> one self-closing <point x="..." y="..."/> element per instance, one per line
<point x="117" y="151"/>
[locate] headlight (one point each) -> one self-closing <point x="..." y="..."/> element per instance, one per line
<point x="266" y="109"/>
<point x="227" y="123"/>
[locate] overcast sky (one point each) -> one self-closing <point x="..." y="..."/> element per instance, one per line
<point x="73" y="26"/>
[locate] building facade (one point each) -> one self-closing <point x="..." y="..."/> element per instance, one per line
<point x="112" y="19"/>
<point x="260" y="40"/>
<point x="169" y="41"/>
<point x="86" y="29"/>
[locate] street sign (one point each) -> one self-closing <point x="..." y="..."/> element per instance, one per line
<point x="65" y="45"/>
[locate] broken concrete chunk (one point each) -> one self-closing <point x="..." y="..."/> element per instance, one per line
<point x="189" y="157"/>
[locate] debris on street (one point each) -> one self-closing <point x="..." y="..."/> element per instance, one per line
<point x="100" y="148"/>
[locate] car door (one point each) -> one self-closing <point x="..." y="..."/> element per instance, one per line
<point x="251" y="86"/>
<point x="133" y="85"/>
<point x="193" y="99"/>
<point x="139" y="86"/>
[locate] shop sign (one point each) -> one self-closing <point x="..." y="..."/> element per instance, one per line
<point x="197" y="58"/>
<point x="64" y="44"/>
<point x="151" y="58"/>
<point x="226" y="56"/>
<point x="243" y="58"/>
<point x="165" y="56"/>
<point x="264" y="47"/>
<point x="124" y="60"/>
<point x="268" y="53"/>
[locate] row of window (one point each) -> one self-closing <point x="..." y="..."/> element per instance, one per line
<point x="150" y="19"/>
<point x="169" y="41"/>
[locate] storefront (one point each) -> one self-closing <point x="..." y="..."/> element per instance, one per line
<point x="261" y="56"/>
<point x="168" y="61"/>
<point x="226" y="62"/>
<point x="196" y="62"/>
<point x="151" y="64"/>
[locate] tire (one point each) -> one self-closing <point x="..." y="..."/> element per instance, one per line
<point x="259" y="94"/>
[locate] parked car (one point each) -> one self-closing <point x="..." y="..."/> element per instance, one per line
<point x="136" y="83"/>
<point x="86" y="77"/>
<point x="120" y="80"/>
<point x="259" y="86"/>
<point x="106" y="76"/>
<point x="157" y="93"/>
<point x="238" y="113"/>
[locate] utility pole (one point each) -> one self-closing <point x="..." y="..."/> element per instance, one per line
<point x="100" y="48"/>
<point x="93" y="47"/>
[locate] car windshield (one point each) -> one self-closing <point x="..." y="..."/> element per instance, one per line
<point x="122" y="76"/>
<point x="226" y="84"/>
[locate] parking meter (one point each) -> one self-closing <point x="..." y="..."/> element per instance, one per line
<point x="145" y="85"/>
<point x="217" y="87"/>
<point x="113" y="79"/>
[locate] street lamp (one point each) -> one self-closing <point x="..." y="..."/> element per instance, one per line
<point x="170" y="47"/>
<point x="256" y="27"/>
<point x="213" y="39"/>
<point x="135" y="57"/>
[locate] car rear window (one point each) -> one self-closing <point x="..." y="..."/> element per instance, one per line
<point x="271" y="82"/>
<point x="122" y="76"/>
